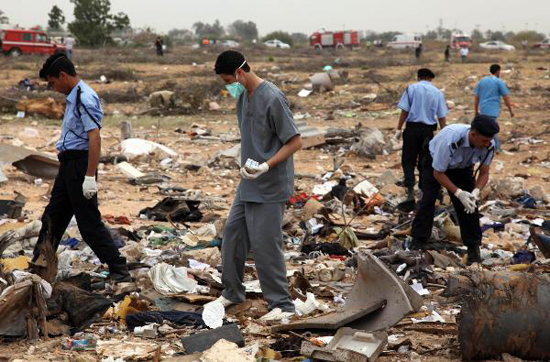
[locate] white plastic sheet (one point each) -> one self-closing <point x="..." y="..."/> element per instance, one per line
<point x="168" y="279"/>
<point x="133" y="147"/>
<point x="213" y="314"/>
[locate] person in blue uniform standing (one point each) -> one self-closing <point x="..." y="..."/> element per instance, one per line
<point x="75" y="188"/>
<point x="422" y="106"/>
<point x="449" y="162"/>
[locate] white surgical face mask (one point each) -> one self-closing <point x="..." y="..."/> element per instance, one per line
<point x="235" y="89"/>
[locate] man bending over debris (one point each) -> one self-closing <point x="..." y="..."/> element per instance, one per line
<point x="75" y="189"/>
<point x="269" y="138"/>
<point x="449" y="162"/>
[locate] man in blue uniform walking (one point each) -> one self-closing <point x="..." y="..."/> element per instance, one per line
<point x="75" y="189"/>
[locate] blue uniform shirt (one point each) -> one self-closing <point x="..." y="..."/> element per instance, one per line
<point x="489" y="90"/>
<point x="75" y="127"/>
<point x="424" y="102"/>
<point x="450" y="149"/>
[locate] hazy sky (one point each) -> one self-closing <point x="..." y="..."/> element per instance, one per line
<point x="309" y="15"/>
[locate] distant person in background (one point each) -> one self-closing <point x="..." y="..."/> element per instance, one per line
<point x="418" y="51"/>
<point x="488" y="93"/>
<point x="159" y="45"/>
<point x="448" y="54"/>
<point x="464" y="52"/>
<point x="69" y="44"/>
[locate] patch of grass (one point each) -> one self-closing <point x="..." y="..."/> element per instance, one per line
<point x="166" y="123"/>
<point x="116" y="74"/>
<point x="129" y="95"/>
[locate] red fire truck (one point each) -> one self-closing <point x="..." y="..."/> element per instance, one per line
<point x="334" y="39"/>
<point x="18" y="41"/>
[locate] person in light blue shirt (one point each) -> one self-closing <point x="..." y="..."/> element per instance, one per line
<point x="453" y="149"/>
<point x="83" y="113"/>
<point x="488" y="93"/>
<point x="74" y="191"/>
<point x="422" y="106"/>
<point x="449" y="162"/>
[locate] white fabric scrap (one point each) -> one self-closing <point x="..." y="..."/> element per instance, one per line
<point x="213" y="314"/>
<point x="20" y="275"/>
<point x="432" y="318"/>
<point x="419" y="288"/>
<point x="307" y="307"/>
<point x="197" y="265"/>
<point x="168" y="279"/>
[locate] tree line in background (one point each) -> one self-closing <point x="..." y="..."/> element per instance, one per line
<point x="93" y="21"/>
<point x="95" y="25"/>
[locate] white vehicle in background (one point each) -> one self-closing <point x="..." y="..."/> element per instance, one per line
<point x="405" y="41"/>
<point x="497" y="45"/>
<point x="229" y="43"/>
<point x="276" y="43"/>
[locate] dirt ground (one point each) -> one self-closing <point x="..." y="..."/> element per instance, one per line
<point x="135" y="74"/>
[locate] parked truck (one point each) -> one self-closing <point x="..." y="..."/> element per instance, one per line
<point x="16" y="42"/>
<point x="334" y="39"/>
<point x="460" y="40"/>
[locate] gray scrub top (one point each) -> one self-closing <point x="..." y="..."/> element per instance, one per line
<point x="266" y="124"/>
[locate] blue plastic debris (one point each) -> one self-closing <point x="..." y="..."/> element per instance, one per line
<point x="523" y="256"/>
<point x="528" y="201"/>
<point x="71" y="242"/>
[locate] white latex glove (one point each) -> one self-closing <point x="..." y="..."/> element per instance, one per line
<point x="398" y="134"/>
<point x="89" y="187"/>
<point x="260" y="170"/>
<point x="475" y="194"/>
<point x="467" y="200"/>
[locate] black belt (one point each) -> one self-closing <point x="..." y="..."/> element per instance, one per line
<point x="421" y="125"/>
<point x="467" y="169"/>
<point x="72" y="155"/>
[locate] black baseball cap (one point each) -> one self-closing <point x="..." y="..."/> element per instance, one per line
<point x="485" y="125"/>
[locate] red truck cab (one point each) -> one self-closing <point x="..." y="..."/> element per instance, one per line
<point x="545" y="44"/>
<point x="334" y="39"/>
<point x="16" y="42"/>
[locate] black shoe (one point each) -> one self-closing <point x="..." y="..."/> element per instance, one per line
<point x="118" y="270"/>
<point x="474" y="255"/>
<point x="418" y="244"/>
<point x="400" y="183"/>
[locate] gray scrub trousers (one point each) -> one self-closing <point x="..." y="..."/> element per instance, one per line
<point x="255" y="220"/>
<point x="257" y="226"/>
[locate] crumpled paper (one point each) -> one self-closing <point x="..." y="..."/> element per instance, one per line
<point x="168" y="279"/>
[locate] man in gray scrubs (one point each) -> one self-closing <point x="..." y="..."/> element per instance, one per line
<point x="269" y="138"/>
